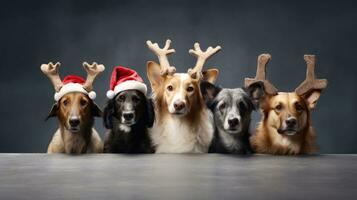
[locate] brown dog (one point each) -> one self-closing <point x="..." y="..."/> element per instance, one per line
<point x="286" y="127"/>
<point x="75" y="111"/>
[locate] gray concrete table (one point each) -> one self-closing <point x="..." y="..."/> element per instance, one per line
<point x="209" y="176"/>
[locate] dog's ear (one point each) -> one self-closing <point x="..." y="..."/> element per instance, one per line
<point x="108" y="114"/>
<point x="311" y="98"/>
<point x="248" y="104"/>
<point x="153" y="74"/>
<point x="96" y="111"/>
<point x="210" y="75"/>
<point x="150" y="113"/>
<point x="256" y="91"/>
<point x="53" y="111"/>
<point x="209" y="91"/>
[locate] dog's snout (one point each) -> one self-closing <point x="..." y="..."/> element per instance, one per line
<point x="74" y="122"/>
<point x="179" y="105"/>
<point x="128" y="116"/>
<point x="291" y="121"/>
<point x="233" y="122"/>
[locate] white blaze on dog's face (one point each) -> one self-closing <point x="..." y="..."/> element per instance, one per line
<point x="177" y="94"/>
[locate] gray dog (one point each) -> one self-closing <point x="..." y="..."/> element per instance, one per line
<point x="232" y="110"/>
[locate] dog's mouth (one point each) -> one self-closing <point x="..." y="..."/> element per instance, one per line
<point x="179" y="113"/>
<point x="128" y="123"/>
<point x="74" y="129"/>
<point x="232" y="130"/>
<point x="287" y="131"/>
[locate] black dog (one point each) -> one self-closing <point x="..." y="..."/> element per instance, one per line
<point x="231" y="110"/>
<point x="128" y="116"/>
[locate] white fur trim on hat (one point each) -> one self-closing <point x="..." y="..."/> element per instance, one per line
<point x="92" y="95"/>
<point x="110" y="94"/>
<point x="73" y="87"/>
<point x="127" y="85"/>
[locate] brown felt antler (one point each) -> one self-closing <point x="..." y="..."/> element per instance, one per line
<point x="202" y="56"/>
<point x="310" y="83"/>
<point x="93" y="71"/>
<point x="51" y="71"/>
<point x="162" y="53"/>
<point x="260" y="76"/>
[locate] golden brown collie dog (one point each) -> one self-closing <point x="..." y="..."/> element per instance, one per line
<point x="286" y="127"/>
<point x="183" y="124"/>
<point x="75" y="110"/>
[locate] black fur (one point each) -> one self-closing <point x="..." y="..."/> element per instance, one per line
<point x="137" y="140"/>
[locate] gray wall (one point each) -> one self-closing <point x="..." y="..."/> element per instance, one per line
<point x="114" y="33"/>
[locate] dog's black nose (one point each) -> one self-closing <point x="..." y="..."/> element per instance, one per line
<point x="291" y="121"/>
<point x="74" y="122"/>
<point x="128" y="116"/>
<point x="233" y="122"/>
<point x="179" y="105"/>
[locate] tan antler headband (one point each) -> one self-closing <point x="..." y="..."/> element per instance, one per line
<point x="162" y="54"/>
<point x="202" y="56"/>
<point x="260" y="76"/>
<point x="310" y="82"/>
<point x="166" y="69"/>
<point x="52" y="72"/>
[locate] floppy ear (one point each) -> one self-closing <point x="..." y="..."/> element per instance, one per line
<point x="153" y="74"/>
<point x="96" y="112"/>
<point x="248" y="104"/>
<point x="53" y="111"/>
<point x="209" y="91"/>
<point x="108" y="115"/>
<point x="150" y="113"/>
<point x="210" y="75"/>
<point x="256" y="91"/>
<point x="311" y="98"/>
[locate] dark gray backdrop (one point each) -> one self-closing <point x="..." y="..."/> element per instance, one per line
<point x="114" y="33"/>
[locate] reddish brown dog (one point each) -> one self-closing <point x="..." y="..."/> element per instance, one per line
<point x="75" y="112"/>
<point x="286" y="127"/>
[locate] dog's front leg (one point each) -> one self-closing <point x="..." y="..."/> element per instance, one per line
<point x="56" y="145"/>
<point x="96" y="144"/>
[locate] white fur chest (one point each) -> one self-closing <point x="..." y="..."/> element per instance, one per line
<point x="229" y="141"/>
<point x="286" y="142"/>
<point x="173" y="135"/>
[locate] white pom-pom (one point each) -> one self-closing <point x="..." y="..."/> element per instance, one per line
<point x="110" y="94"/>
<point x="92" y="95"/>
<point x="56" y="96"/>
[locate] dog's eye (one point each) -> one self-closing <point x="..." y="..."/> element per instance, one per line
<point x="135" y="99"/>
<point x="122" y="98"/>
<point x="222" y="106"/>
<point x="278" y="107"/>
<point x="83" y="103"/>
<point x="65" y="102"/>
<point x="170" y="88"/>
<point x="298" y="107"/>
<point x="190" y="89"/>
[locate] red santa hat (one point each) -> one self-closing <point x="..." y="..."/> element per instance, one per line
<point x="125" y="79"/>
<point x="73" y="83"/>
